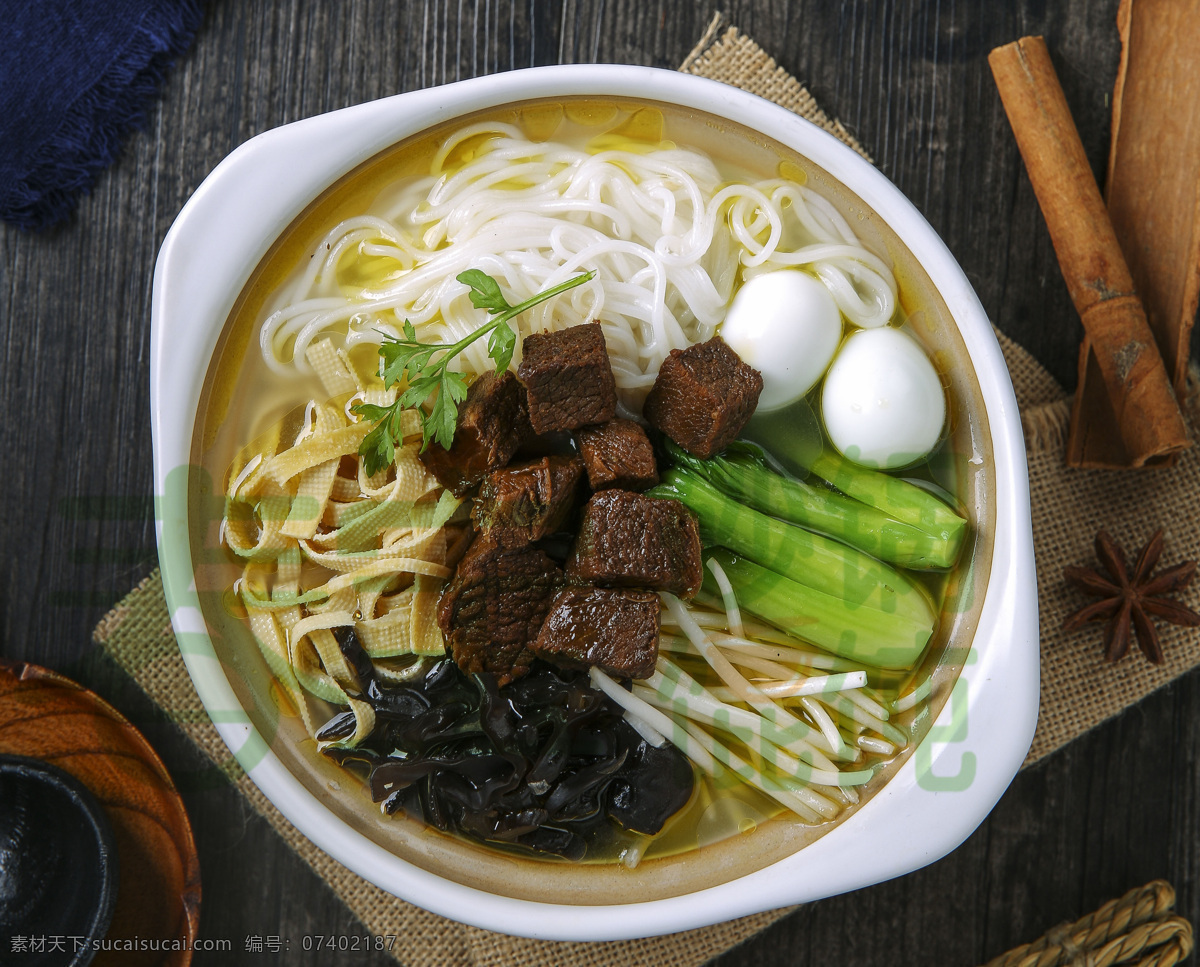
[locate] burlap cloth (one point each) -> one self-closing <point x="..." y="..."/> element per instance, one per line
<point x="1078" y="689"/>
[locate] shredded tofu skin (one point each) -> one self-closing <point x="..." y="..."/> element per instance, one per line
<point x="327" y="547"/>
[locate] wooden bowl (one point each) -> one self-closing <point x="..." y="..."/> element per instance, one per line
<point x="58" y="861"/>
<point x="48" y="717"/>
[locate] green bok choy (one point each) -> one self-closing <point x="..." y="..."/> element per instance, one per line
<point x="860" y="634"/>
<point x="809" y="585"/>
<point x="855" y="579"/>
<point x="884" y="516"/>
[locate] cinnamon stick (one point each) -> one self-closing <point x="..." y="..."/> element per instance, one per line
<point x="1153" y="197"/>
<point x="1127" y="360"/>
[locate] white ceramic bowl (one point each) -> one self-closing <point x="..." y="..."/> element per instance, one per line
<point x="930" y="805"/>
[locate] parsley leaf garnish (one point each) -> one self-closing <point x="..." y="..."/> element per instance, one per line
<point x="412" y="362"/>
<point x="485" y="291"/>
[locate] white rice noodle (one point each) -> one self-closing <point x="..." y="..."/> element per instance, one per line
<point x="667" y="244"/>
<point x="913" y="698"/>
<point x="840" y="703"/>
<point x="637" y="709"/>
<point x="246" y="471"/>
<point x="798" y="686"/>
<point x="682" y="695"/>
<point x="810" y="806"/>
<point x="717" y="623"/>
<point x="632" y="855"/>
<point x="823" y="721"/>
<point x="732" y="611"/>
<point x="787" y="654"/>
<point x="745" y="691"/>
<point x="868" y="705"/>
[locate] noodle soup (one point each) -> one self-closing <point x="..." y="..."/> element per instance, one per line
<point x="673" y="220"/>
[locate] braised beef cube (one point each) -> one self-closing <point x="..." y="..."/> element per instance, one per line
<point x="568" y="378"/>
<point x="561" y="443"/>
<point x="618" y="454"/>
<point x="703" y="397"/>
<point x="523" y="503"/>
<point x="630" y="541"/>
<point x="613" y="629"/>
<point x="493" y="609"/>
<point x="492" y="422"/>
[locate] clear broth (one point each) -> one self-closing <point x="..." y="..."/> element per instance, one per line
<point x="708" y="842"/>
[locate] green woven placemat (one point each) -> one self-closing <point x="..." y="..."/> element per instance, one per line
<point x="1078" y="689"/>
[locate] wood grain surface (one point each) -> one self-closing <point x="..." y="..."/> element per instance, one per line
<point x="48" y="717"/>
<point x="909" y="78"/>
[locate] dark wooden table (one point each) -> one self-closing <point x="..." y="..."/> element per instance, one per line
<point x="1115" y="809"/>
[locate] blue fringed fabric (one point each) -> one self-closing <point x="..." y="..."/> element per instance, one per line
<point x="75" y="79"/>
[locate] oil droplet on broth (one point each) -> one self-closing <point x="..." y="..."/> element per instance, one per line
<point x="541" y="121"/>
<point x="641" y="132"/>
<point x="281" y="701"/>
<point x="790" y="171"/>
<point x="591" y="113"/>
<point x="942" y="362"/>
<point x="364" y="360"/>
<point x="232" y="603"/>
<point x="644" y="124"/>
<point x="465" y="151"/>
<point x="725" y="817"/>
<point x="357" y="271"/>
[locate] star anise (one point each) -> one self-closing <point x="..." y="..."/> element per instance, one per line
<point x="1128" y="601"/>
